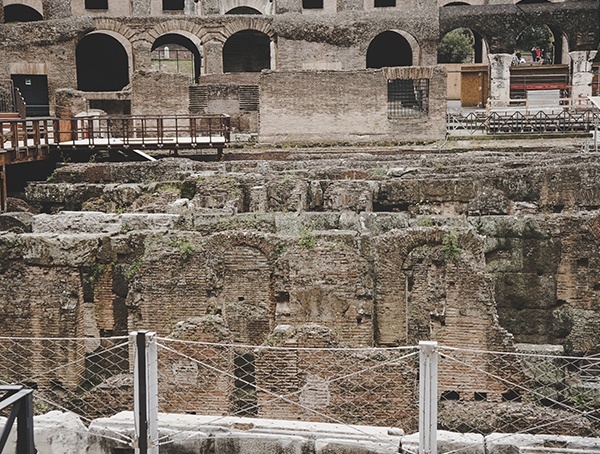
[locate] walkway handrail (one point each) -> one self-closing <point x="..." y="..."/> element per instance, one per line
<point x="21" y="401"/>
<point x="144" y="131"/>
<point x="205" y="131"/>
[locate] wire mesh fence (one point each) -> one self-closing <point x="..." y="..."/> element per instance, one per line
<point x="89" y="377"/>
<point x="479" y="392"/>
<point x="509" y="392"/>
<point x="373" y="386"/>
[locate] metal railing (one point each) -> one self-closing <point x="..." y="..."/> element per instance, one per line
<point x="209" y="131"/>
<point x="144" y="131"/>
<point x="523" y="117"/>
<point x="21" y="401"/>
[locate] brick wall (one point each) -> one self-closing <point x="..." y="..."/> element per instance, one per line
<point x="158" y="93"/>
<point x="328" y="106"/>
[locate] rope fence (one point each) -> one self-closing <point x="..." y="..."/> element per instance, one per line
<point x="352" y="390"/>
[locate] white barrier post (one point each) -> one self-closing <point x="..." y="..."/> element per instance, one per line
<point x="428" y="370"/>
<point x="145" y="379"/>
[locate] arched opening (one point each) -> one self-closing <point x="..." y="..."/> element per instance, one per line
<point x="529" y="2"/>
<point x="174" y="53"/>
<point x="457" y="46"/>
<point x="247" y="51"/>
<point x="102" y="63"/>
<point x="389" y="49"/>
<point x="462" y="45"/>
<point x="457" y="4"/>
<point x="243" y="10"/>
<point x="541" y="44"/>
<point x="21" y="13"/>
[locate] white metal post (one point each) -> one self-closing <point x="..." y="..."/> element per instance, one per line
<point x="428" y="370"/>
<point x="145" y="378"/>
<point x="152" y="380"/>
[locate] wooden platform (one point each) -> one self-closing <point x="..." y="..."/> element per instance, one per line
<point x="37" y="139"/>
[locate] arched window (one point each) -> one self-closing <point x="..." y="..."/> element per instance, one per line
<point x="176" y="53"/>
<point x="20" y="13"/>
<point x="389" y="49"/>
<point x="243" y="10"/>
<point x="247" y="51"/>
<point x="461" y="45"/>
<point x="102" y="63"/>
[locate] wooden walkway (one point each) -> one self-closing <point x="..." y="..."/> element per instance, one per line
<point x="37" y="139"/>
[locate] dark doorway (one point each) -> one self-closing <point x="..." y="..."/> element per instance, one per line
<point x="389" y="49"/>
<point x="20" y="13"/>
<point x="247" y="51"/>
<point x="102" y="64"/>
<point x="34" y="89"/>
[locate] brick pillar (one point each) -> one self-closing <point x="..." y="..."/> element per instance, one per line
<point x="500" y="79"/>
<point x="213" y="57"/>
<point x="582" y="76"/>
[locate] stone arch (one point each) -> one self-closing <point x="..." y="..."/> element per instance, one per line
<point x="559" y="51"/>
<point x="186" y="39"/>
<point x="247" y="50"/>
<point x="408" y="50"/>
<point x="255" y="23"/>
<point x="188" y="29"/>
<point x="104" y="61"/>
<point x="23" y="10"/>
<point x="244" y="294"/>
<point x="480" y="46"/>
<point x="118" y="30"/>
<point x="395" y="250"/>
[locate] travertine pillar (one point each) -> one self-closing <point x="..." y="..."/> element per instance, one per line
<point x="142" y="50"/>
<point x="56" y="9"/>
<point x="140" y="8"/>
<point x="213" y="57"/>
<point x="500" y="79"/>
<point x="581" y="67"/>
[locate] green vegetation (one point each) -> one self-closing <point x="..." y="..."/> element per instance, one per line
<point x="97" y="270"/>
<point x="450" y="246"/>
<point x="307" y="237"/>
<point x="535" y="36"/>
<point x="456" y="46"/>
<point x="185" y="248"/>
<point x="425" y="221"/>
<point x="133" y="269"/>
<point x="279" y="249"/>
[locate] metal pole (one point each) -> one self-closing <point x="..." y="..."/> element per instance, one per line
<point x="3" y="189"/>
<point x="145" y="392"/>
<point x="428" y="362"/>
<point x="141" y="411"/>
<point x="152" y="395"/>
<point x="25" y="444"/>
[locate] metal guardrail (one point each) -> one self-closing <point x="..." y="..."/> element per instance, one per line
<point x="209" y="131"/>
<point x="517" y="122"/>
<point x="21" y="401"/>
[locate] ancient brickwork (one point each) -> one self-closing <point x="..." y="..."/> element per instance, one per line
<point x="158" y="92"/>
<point x="307" y="106"/>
